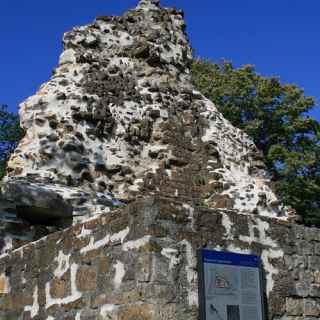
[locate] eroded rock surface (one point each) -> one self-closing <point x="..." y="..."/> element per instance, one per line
<point x="120" y="119"/>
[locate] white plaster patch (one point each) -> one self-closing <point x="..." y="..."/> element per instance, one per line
<point x="96" y="245"/>
<point x="269" y="268"/>
<point x="226" y="222"/>
<point x="23" y="279"/>
<point x="107" y="309"/>
<point x="192" y="275"/>
<point x="232" y="248"/>
<point x="7" y="246"/>
<point x="120" y="236"/>
<point x="261" y="236"/>
<point x="234" y="147"/>
<point x="63" y="264"/>
<point x="172" y="255"/>
<point x="136" y="244"/>
<point x="119" y="274"/>
<point x="84" y="232"/>
<point x="263" y="226"/>
<point x="34" y="309"/>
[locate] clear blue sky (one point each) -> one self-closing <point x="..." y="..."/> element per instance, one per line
<point x="280" y="37"/>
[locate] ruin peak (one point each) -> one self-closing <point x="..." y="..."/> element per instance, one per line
<point x="148" y="4"/>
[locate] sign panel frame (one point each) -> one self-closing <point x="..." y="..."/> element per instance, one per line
<point x="244" y="270"/>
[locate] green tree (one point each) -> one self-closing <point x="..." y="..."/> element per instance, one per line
<point x="10" y="134"/>
<point x="275" y="115"/>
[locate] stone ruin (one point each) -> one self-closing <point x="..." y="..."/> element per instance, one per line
<point x="124" y="171"/>
<point x="121" y="120"/>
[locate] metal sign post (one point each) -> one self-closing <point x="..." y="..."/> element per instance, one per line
<point x="230" y="286"/>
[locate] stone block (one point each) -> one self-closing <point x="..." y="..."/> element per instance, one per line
<point x="59" y="288"/>
<point x="288" y="260"/>
<point x="316" y="275"/>
<point x="75" y="305"/>
<point x="305" y="248"/>
<point x="160" y="269"/>
<point x="89" y="314"/>
<point x="163" y="294"/>
<point x="144" y="268"/>
<point x="298" y="232"/>
<point x="315" y="290"/>
<point x="317" y="249"/>
<point x="86" y="279"/>
<point x="104" y="265"/>
<point x="302" y="289"/>
<point x="108" y="312"/>
<point x="141" y="312"/>
<point x="311" y="308"/>
<point x="300" y="262"/>
<point x="312" y="234"/>
<point x="294" y="307"/>
<point x="314" y="263"/>
<point x="306" y="276"/>
<point x="98" y="300"/>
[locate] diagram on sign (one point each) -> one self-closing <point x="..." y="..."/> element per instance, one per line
<point x="222" y="281"/>
<point x="231" y="286"/>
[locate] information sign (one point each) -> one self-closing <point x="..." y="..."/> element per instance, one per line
<point x="230" y="286"/>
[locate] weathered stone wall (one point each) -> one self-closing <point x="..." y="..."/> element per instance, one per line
<point x="140" y="263"/>
<point x="120" y="119"/>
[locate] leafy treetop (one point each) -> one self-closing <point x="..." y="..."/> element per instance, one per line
<point x="10" y="134"/>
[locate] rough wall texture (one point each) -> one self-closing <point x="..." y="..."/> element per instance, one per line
<point x="120" y="119"/>
<point x="140" y="263"/>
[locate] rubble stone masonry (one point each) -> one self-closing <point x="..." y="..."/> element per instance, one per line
<point x="140" y="263"/>
<point x="139" y="170"/>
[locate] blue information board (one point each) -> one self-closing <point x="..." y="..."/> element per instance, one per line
<point x="230" y="286"/>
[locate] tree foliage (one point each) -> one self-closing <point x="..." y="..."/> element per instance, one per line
<point x="10" y="134"/>
<point x="275" y="115"/>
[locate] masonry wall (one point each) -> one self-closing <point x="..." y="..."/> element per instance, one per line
<point x="140" y="263"/>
